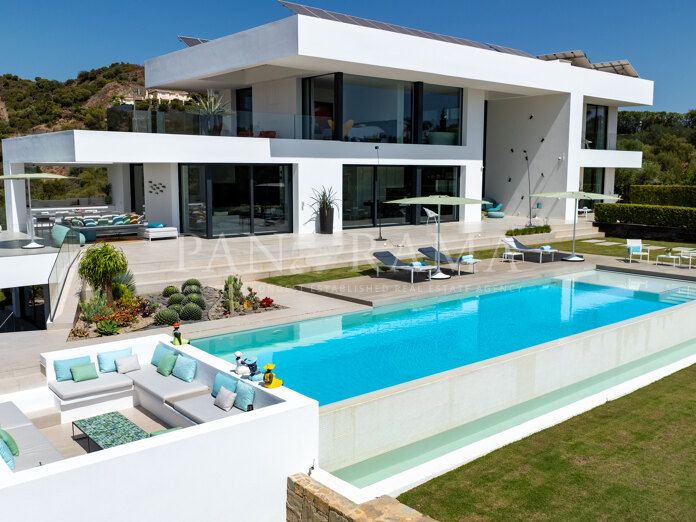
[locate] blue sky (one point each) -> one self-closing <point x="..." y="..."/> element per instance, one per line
<point x="58" y="39"/>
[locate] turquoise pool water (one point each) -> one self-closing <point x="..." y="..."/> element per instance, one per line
<point x="338" y="357"/>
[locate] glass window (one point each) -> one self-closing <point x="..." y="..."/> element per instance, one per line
<point x="395" y="183"/>
<point x="244" y="112"/>
<point x="194" y="214"/>
<point x="231" y="208"/>
<point x="319" y="107"/>
<point x="440" y="181"/>
<point x="592" y="181"/>
<point x="272" y="199"/>
<point x="377" y="110"/>
<point x="442" y="113"/>
<point x="358" y="196"/>
<point x="596" y="127"/>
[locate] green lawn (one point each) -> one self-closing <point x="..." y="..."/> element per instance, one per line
<point x="290" y="281"/>
<point x="630" y="459"/>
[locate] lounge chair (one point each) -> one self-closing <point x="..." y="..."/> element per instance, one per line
<point x="634" y="247"/>
<point x="512" y="245"/>
<point x="391" y="261"/>
<point x="431" y="253"/>
<point x="431" y="215"/>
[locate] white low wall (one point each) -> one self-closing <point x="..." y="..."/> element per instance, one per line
<point x="362" y="427"/>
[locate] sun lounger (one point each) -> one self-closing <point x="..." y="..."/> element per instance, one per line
<point x="391" y="261"/>
<point x="431" y="253"/>
<point x="512" y="245"/>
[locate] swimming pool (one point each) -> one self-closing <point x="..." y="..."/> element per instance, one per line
<point x="343" y="356"/>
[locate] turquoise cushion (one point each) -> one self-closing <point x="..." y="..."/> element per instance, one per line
<point x="159" y="353"/>
<point x="466" y="258"/>
<point x="417" y="263"/>
<point x="77" y="223"/>
<point x="117" y="220"/>
<point x="6" y="455"/>
<point x="545" y="247"/>
<point x="245" y="396"/>
<point x="62" y="367"/>
<point x="634" y="249"/>
<point x="156" y="225"/>
<point x="7" y="438"/>
<point x="227" y="381"/>
<point x="90" y="224"/>
<point x="107" y="360"/>
<point x="185" y="368"/>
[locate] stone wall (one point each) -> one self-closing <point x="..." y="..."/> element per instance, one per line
<point x="311" y="501"/>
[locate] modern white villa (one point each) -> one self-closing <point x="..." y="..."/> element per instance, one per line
<point x="381" y="391"/>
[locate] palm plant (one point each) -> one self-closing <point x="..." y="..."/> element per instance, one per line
<point x="99" y="265"/>
<point x="324" y="198"/>
<point x="211" y="104"/>
<point x="127" y="279"/>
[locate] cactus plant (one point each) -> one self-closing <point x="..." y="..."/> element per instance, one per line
<point x="192" y="289"/>
<point x="195" y="298"/>
<point x="176" y="307"/>
<point x="166" y="316"/>
<point x="176" y="299"/>
<point x="191" y="312"/>
<point x="169" y="291"/>
<point x="233" y="292"/>
<point x="191" y="282"/>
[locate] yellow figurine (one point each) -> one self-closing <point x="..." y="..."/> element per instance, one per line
<point x="269" y="378"/>
<point x="178" y="340"/>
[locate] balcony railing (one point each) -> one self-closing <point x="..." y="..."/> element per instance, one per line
<point x="67" y="253"/>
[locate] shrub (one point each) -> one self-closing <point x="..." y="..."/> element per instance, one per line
<point x="107" y="327"/>
<point x="176" y="307"/>
<point x="196" y="299"/>
<point x="143" y="307"/>
<point x="95" y="307"/>
<point x="542" y="229"/>
<point x="191" y="312"/>
<point x="645" y="215"/>
<point x="121" y="292"/>
<point x="99" y="265"/>
<point x="125" y="278"/>
<point x="169" y="291"/>
<point x="191" y="282"/>
<point x="123" y="317"/>
<point x="176" y="299"/>
<point x="192" y="289"/>
<point x="166" y="317"/>
<point x="670" y="195"/>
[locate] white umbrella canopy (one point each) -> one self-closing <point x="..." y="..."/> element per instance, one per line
<point x="437" y="200"/>
<point x="578" y="194"/>
<point x="28" y="177"/>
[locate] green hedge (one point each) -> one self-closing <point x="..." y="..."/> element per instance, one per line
<point x="645" y="215"/>
<point x="674" y="195"/>
<point x="528" y="230"/>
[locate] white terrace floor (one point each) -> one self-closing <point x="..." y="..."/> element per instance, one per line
<point x="165" y="261"/>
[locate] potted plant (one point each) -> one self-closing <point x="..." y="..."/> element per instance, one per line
<point x="441" y="135"/>
<point x="211" y="109"/>
<point x="323" y="202"/>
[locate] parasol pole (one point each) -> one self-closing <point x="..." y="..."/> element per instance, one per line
<point x="30" y="226"/>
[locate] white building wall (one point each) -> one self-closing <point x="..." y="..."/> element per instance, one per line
<point x="313" y="174"/>
<point x="275" y="106"/>
<point x="15" y="198"/>
<point x="511" y="131"/>
<point x="162" y="207"/>
<point x="119" y="177"/>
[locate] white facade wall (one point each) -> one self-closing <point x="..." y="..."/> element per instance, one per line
<point x="162" y="206"/>
<point x="119" y="178"/>
<point x="15" y="198"/>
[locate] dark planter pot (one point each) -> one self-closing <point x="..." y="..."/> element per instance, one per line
<point x="326" y="216"/>
<point x="211" y="124"/>
<point x="648" y="232"/>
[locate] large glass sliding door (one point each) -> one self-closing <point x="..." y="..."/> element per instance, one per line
<point x="137" y="189"/>
<point x="319" y="107"/>
<point x="366" y="188"/>
<point x="592" y="181"/>
<point x="235" y="200"/>
<point x="596" y="127"/>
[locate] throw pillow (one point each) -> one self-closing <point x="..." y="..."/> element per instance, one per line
<point x="225" y="399"/>
<point x="107" y="360"/>
<point x="222" y="379"/>
<point x="185" y="368"/>
<point x="156" y="225"/>
<point x="162" y="432"/>
<point x="159" y="353"/>
<point x="62" y="367"/>
<point x="77" y="223"/>
<point x="127" y="364"/>
<point x="245" y="396"/>
<point x="6" y="455"/>
<point x="167" y="364"/>
<point x="84" y="372"/>
<point x="7" y="438"/>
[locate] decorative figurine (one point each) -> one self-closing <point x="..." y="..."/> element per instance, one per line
<point x="178" y="340"/>
<point x="269" y="378"/>
<point x="242" y="369"/>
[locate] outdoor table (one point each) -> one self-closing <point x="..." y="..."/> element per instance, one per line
<point x="668" y="257"/>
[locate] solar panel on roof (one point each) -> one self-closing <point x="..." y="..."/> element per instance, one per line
<point x="363" y="22"/>
<point x="190" y="41"/>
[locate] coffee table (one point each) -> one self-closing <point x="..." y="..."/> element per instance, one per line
<point x="108" y="430"/>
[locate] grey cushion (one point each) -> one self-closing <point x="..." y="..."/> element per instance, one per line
<point x="202" y="409"/>
<point x="34" y="448"/>
<point x="12" y="417"/>
<point x="106" y="382"/>
<point x="127" y="364"/>
<point x="163" y="387"/>
<point x="225" y="399"/>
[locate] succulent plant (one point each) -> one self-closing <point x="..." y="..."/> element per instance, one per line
<point x="166" y="316"/>
<point x="192" y="289"/>
<point x="191" y="312"/>
<point x="176" y="307"/>
<point x="108" y="327"/>
<point x="169" y="291"/>
<point x="196" y="299"/>
<point x="191" y="282"/>
<point x="176" y="299"/>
